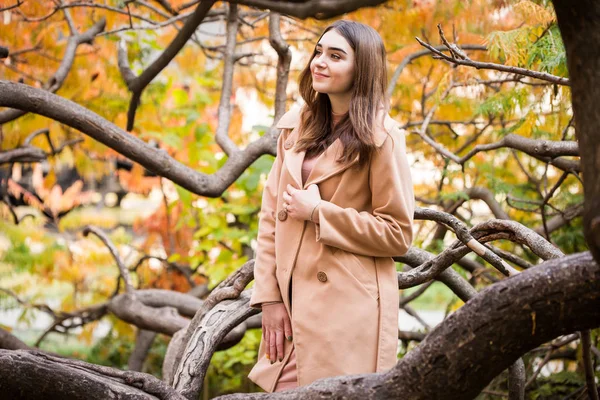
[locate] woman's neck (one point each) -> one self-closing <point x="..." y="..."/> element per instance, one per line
<point x="340" y="102"/>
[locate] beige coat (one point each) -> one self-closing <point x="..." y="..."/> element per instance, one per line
<point x="344" y="288"/>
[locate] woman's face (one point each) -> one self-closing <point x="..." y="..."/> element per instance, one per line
<point x="332" y="68"/>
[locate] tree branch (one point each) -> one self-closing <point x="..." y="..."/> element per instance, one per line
<point x="56" y="81"/>
<point x="225" y="106"/>
<point x="137" y="84"/>
<point x="503" y="322"/>
<point x="303" y="9"/>
<point x="588" y="365"/>
<point x="41" y="102"/>
<point x="114" y="252"/>
<point x="498" y="67"/>
<point x="37" y="375"/>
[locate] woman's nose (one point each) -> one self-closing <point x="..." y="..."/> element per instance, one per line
<point x="320" y="61"/>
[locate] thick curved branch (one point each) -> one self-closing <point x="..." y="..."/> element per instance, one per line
<point x="9" y="341"/>
<point x="215" y="325"/>
<point x="494" y="329"/>
<point x="185" y="303"/>
<point x="229" y="289"/>
<point x="44" y="103"/>
<point x="462" y="232"/>
<point x="163" y="319"/>
<point x="518" y="233"/>
<point x="318" y="9"/>
<point x="484" y="232"/>
<point x="36" y="375"/>
<point x="452" y="279"/>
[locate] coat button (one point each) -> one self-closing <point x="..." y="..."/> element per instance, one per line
<point x="322" y="276"/>
<point x="282" y="215"/>
<point x="288" y="144"/>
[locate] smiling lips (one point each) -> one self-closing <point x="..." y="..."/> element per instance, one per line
<point x="318" y="75"/>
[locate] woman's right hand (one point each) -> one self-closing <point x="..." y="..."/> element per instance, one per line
<point x="276" y="327"/>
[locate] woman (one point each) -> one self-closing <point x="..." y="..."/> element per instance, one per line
<point x="337" y="205"/>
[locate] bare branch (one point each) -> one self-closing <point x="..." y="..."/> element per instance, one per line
<point x="411" y="57"/>
<point x="22" y="154"/>
<point x="545" y="150"/>
<point x="57" y="80"/>
<point x="482" y="233"/>
<point x="167" y="6"/>
<point x="562" y="219"/>
<point x="143" y="342"/>
<point x="283" y="63"/>
<point x="498" y="67"/>
<point x="18" y="4"/>
<point x="465" y="237"/>
<point x="225" y="107"/>
<point x="516" y="380"/>
<point x="452" y="279"/>
<point x="138" y="84"/>
<point x="215" y="325"/>
<point x="115" y="253"/>
<point x="588" y="365"/>
<point x="165" y="319"/>
<point x="65" y="321"/>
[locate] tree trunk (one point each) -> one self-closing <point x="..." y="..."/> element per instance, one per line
<point x="579" y="23"/>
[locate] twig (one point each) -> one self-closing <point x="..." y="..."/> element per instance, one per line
<point x="115" y="253"/>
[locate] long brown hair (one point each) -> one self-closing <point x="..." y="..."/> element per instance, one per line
<point x="369" y="95"/>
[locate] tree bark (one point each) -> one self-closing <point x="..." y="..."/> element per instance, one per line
<point x="33" y="375"/>
<point x="579" y="24"/>
<point x="487" y="335"/>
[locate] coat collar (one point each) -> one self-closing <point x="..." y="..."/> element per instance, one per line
<point x="325" y="165"/>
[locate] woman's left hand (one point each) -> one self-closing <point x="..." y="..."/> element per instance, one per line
<point x="300" y="203"/>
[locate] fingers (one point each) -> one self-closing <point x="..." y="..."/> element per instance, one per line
<point x="267" y="342"/>
<point x="279" y="341"/>
<point x="287" y="328"/>
<point x="272" y="346"/>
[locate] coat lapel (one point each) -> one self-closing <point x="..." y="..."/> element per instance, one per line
<point x="325" y="165"/>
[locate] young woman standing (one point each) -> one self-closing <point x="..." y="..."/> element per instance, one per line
<point x="337" y="206"/>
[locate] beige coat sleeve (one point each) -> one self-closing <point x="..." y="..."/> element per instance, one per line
<point x="265" y="281"/>
<point x="388" y="230"/>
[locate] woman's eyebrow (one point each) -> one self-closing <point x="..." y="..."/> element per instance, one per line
<point x="333" y="48"/>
